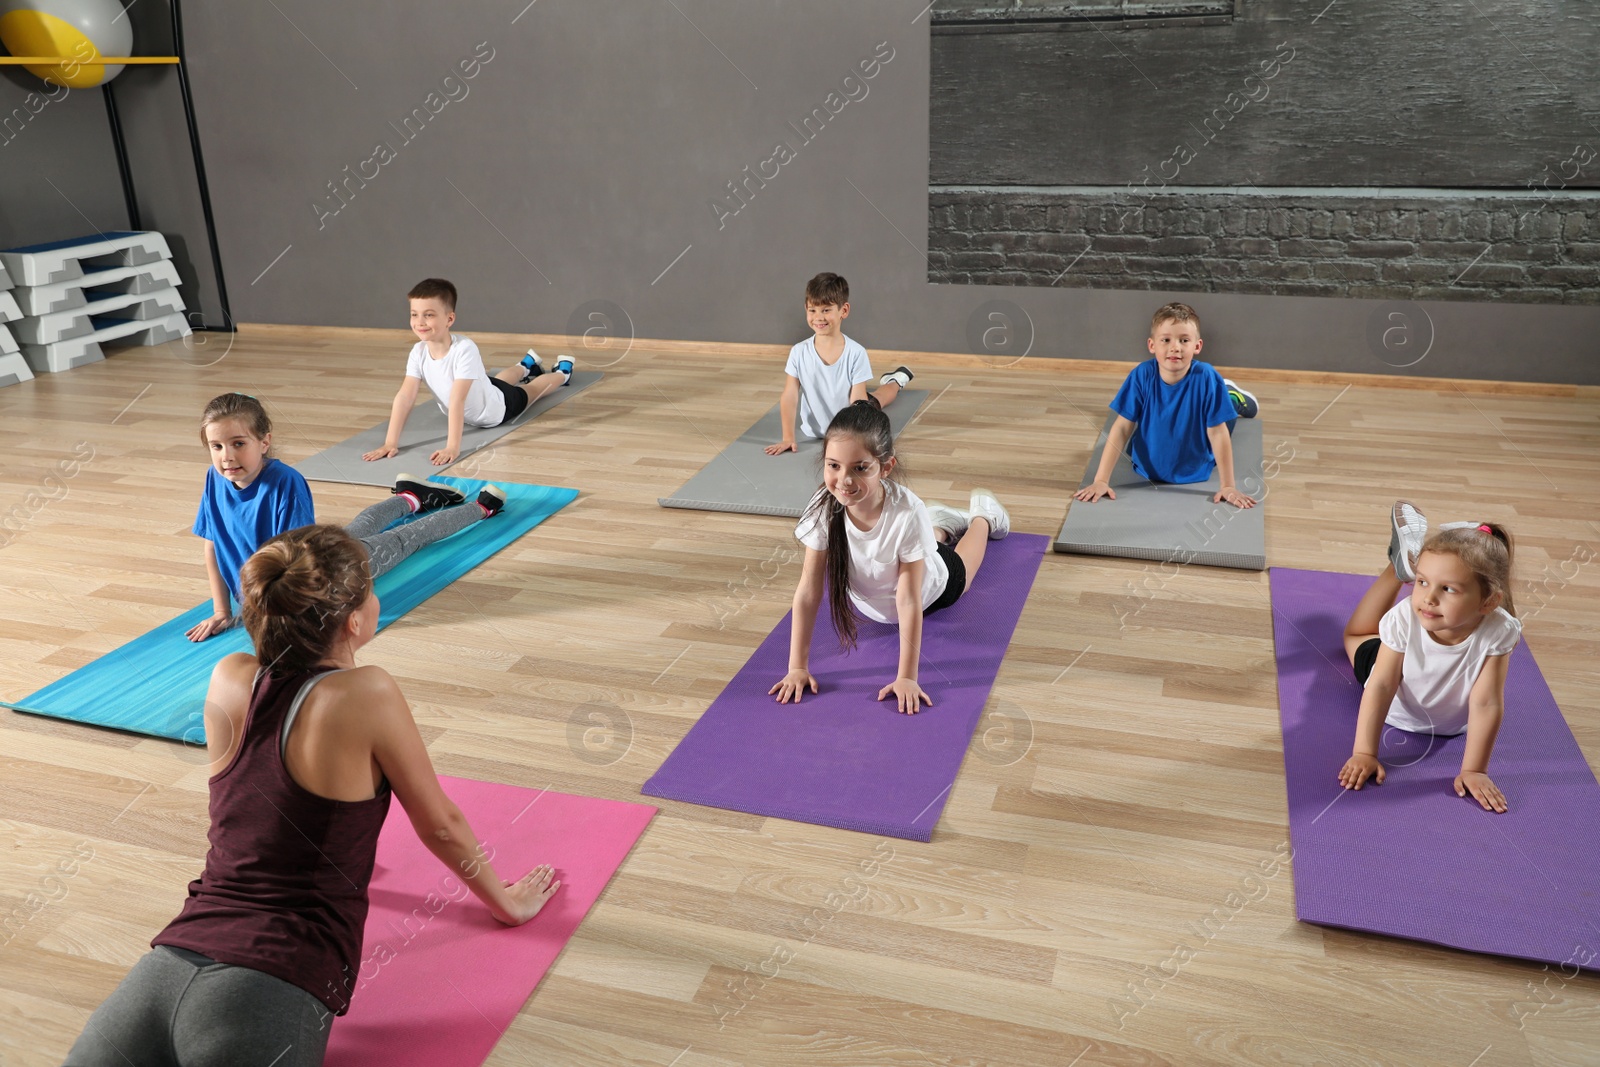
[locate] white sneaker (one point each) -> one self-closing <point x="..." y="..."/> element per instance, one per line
<point x="952" y="521"/>
<point x="985" y="505"/>
<point x="1409" y="528"/>
<point x="901" y="376"/>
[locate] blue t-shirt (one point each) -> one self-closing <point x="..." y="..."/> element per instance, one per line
<point x="238" y="521"/>
<point x="1170" y="444"/>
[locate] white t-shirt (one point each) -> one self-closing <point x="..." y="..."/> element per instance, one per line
<point x="1436" y="679"/>
<point x="825" y="390"/>
<point x="903" y="534"/>
<point x="485" y="405"/>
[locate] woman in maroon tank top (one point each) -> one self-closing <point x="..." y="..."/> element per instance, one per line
<point x="307" y="748"/>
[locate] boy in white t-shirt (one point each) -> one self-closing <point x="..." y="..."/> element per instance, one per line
<point x="828" y="372"/>
<point x="454" y="370"/>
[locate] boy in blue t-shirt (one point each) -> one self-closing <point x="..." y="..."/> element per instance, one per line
<point x="1178" y="413"/>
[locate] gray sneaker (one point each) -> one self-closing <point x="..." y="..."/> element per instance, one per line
<point x="951" y="520"/>
<point x="985" y="505"/>
<point x="1409" y="527"/>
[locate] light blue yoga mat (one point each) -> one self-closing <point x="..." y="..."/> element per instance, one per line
<point x="156" y="684"/>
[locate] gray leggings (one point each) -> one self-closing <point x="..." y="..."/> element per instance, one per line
<point x="386" y="547"/>
<point x="179" y="1009"/>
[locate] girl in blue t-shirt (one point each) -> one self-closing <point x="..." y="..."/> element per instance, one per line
<point x="250" y="498"/>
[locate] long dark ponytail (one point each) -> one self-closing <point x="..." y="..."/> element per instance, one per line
<point x="867" y="423"/>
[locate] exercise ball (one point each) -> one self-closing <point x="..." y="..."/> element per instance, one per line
<point x="79" y="31"/>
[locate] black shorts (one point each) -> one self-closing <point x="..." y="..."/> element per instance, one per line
<point x="1366" y="656"/>
<point x="955" y="585"/>
<point x="516" y="399"/>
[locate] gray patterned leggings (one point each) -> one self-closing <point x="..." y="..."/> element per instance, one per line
<point x="386" y="547"/>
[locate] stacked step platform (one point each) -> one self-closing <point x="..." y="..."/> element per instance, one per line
<point x="13" y="368"/>
<point x="118" y="287"/>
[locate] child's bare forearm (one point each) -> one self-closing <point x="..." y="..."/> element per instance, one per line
<point x="803" y="622"/>
<point x="1483" y="727"/>
<point x="1116" y="440"/>
<point x="221" y="599"/>
<point x="1375" y="703"/>
<point x="910" y="612"/>
<point x="397" y="419"/>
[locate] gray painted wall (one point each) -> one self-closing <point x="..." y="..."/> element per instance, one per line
<point x="58" y="173"/>
<point x="586" y="155"/>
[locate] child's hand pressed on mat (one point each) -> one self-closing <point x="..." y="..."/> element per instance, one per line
<point x="1358" y="768"/>
<point x="781" y="447"/>
<point x="1234" y="497"/>
<point x="212" y="626"/>
<point x="380" y="453"/>
<point x="444" y="457"/>
<point x="908" y="695"/>
<point x="530" y="893"/>
<point x="1484" y="791"/>
<point x="793" y="684"/>
<point x="1090" y="493"/>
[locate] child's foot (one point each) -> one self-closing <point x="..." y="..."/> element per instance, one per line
<point x="1408" y="528"/>
<point x="532" y="366"/>
<point x="492" y="499"/>
<point x="564" y="366"/>
<point x="426" y="495"/>
<point x="901" y="376"/>
<point x="952" y="521"/>
<point x="985" y="505"/>
<point x="1244" y="401"/>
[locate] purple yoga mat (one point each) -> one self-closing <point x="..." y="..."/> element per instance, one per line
<point x="1409" y="858"/>
<point x="840" y="758"/>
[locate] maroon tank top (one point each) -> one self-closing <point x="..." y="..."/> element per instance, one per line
<point x="285" y="885"/>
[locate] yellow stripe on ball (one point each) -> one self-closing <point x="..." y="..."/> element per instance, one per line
<point x="36" y="33"/>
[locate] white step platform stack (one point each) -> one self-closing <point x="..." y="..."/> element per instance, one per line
<point x="75" y="295"/>
<point x="13" y="368"/>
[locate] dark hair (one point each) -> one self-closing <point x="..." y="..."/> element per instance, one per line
<point x="247" y="409"/>
<point x="867" y="423"/>
<point x="297" y="590"/>
<point x="1174" y="312"/>
<point x="1486" y="549"/>
<point x="434" y="289"/>
<point x="828" y="288"/>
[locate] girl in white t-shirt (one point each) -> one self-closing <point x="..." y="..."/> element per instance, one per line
<point x="882" y="551"/>
<point x="1436" y="662"/>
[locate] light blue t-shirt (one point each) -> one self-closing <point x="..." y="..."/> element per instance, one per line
<point x="1170" y="443"/>
<point x="825" y="390"/>
<point x="238" y="521"/>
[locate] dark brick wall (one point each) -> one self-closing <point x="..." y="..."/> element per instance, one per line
<point x="1461" y="247"/>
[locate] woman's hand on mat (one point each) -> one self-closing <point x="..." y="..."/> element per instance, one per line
<point x="1358" y="768"/>
<point x="529" y="893"/>
<point x="1090" y="493"/>
<point x="1234" y="497"/>
<point x="445" y="456"/>
<point x="1485" y="792"/>
<point x="908" y="695"/>
<point x="214" y="625"/>
<point x="380" y="453"/>
<point x="793" y="684"/>
<point x="781" y="447"/>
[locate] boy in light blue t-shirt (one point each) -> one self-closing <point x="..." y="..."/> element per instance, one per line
<point x="828" y="372"/>
<point x="1175" y="415"/>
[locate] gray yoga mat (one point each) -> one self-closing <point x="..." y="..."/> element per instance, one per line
<point x="1173" y="523"/>
<point x="745" y="479"/>
<point x="425" y="432"/>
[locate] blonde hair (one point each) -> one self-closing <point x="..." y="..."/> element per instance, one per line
<point x="1486" y="550"/>
<point x="1174" y="312"/>
<point x="298" y="590"/>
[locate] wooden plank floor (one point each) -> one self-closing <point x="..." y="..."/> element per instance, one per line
<point x="1127" y="778"/>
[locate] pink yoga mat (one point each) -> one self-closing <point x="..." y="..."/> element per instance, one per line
<point x="440" y="979"/>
